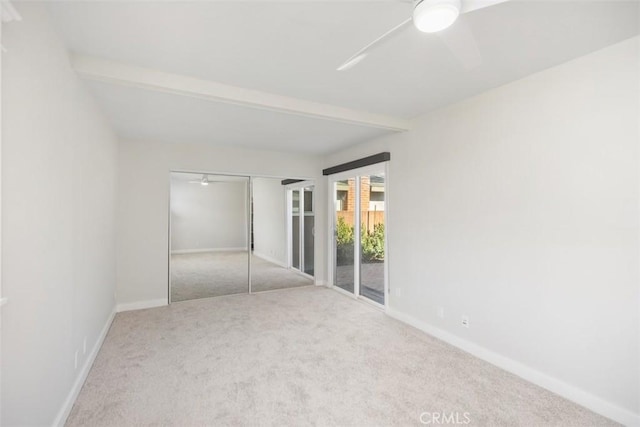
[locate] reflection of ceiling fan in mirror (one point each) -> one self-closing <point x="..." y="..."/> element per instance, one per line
<point x="204" y="181"/>
<point x="434" y="16"/>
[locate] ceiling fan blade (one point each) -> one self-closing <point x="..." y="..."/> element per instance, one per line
<point x="462" y="44"/>
<point x="471" y="5"/>
<point x="362" y="53"/>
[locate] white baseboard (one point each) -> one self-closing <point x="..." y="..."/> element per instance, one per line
<point x="270" y="259"/>
<point x="64" y="412"/>
<point x="575" y="394"/>
<point x="197" y="251"/>
<point x="139" y="305"/>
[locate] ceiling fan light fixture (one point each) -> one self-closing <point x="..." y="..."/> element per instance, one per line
<point x="204" y="180"/>
<point x="431" y="16"/>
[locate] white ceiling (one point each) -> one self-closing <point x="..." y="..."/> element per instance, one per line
<point x="148" y="115"/>
<point x="293" y="48"/>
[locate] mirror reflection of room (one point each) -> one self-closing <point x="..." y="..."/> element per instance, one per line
<point x="214" y="229"/>
<point x="209" y="235"/>
<point x="275" y="257"/>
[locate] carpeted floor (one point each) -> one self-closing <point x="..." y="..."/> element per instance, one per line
<point x="212" y="274"/>
<point x="306" y="356"/>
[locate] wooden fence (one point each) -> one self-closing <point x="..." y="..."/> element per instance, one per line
<point x="368" y="218"/>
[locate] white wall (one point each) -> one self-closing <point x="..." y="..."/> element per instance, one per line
<point x="58" y="221"/>
<point x="519" y="208"/>
<point x="143" y="195"/>
<point x="2" y="299"/>
<point x="269" y="219"/>
<point x="212" y="217"/>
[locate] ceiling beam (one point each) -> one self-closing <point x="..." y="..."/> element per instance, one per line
<point x="144" y="78"/>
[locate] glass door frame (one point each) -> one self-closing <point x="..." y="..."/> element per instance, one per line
<point x="290" y="188"/>
<point x="331" y="250"/>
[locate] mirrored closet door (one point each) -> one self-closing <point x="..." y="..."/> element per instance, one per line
<point x="302" y="227"/>
<point x="239" y="234"/>
<point x="209" y="235"/>
<point x="273" y="226"/>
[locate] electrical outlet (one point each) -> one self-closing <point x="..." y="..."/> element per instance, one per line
<point x="75" y="361"/>
<point x="84" y="346"/>
<point x="441" y="312"/>
<point x="465" y="321"/>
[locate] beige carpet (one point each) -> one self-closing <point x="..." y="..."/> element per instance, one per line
<point x="212" y="274"/>
<point x="306" y="356"/>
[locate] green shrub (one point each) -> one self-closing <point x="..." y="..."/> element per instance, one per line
<point x="344" y="232"/>
<point x="344" y="243"/>
<point x="373" y="243"/>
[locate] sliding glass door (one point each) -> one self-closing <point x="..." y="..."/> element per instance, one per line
<point x="359" y="242"/>
<point x="372" y="239"/>
<point x="345" y="218"/>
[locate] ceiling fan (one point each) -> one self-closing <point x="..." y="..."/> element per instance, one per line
<point x="434" y="16"/>
<point x="203" y="181"/>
